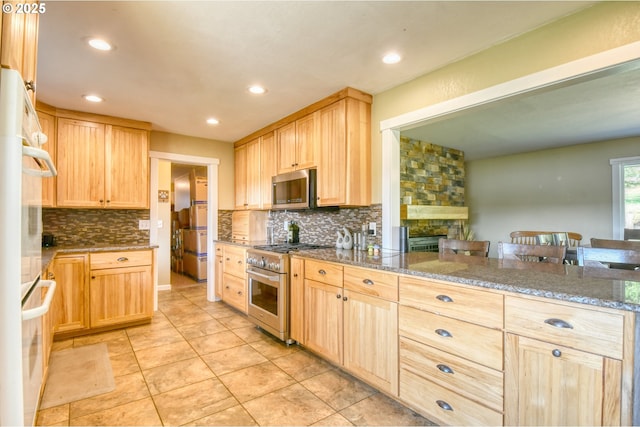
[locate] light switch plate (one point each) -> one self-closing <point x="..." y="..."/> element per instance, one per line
<point x="372" y="226"/>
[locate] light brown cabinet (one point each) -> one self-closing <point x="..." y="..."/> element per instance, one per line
<point x="297" y="144"/>
<point x="101" y="165"/>
<point x="234" y="277"/>
<point x="247" y="175"/>
<point x="70" y="309"/>
<point x="219" y="272"/>
<point x="268" y="168"/>
<point x="296" y="292"/>
<point x="547" y="344"/>
<point x="48" y="124"/>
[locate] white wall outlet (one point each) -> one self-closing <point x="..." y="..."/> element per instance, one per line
<point x="144" y="224"/>
<point x="286" y="225"/>
<point x="372" y="226"/>
<point x="160" y="223"/>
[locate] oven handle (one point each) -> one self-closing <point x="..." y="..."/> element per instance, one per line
<point x="264" y="276"/>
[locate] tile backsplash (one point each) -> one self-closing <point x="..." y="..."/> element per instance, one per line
<point x="82" y="227"/>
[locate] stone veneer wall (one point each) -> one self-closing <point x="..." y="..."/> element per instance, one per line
<point x="224" y="224"/>
<point x="82" y="227"/>
<point x="431" y="175"/>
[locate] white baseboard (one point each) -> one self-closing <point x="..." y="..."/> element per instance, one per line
<point x="164" y="287"/>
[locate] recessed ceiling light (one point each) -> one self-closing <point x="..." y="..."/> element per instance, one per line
<point x="257" y="90"/>
<point x="93" y="98"/>
<point x="100" y="44"/>
<point x="391" y="58"/>
<point x="212" y="121"/>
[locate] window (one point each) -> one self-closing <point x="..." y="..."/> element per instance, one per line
<point x="626" y="195"/>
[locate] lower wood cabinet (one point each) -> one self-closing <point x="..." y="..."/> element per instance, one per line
<point x="233" y="285"/>
<point x="296" y="293"/>
<point x="70" y="300"/>
<point x="324" y="319"/>
<point x="121" y="288"/>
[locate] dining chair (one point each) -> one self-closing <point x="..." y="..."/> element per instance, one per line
<point x="615" y="244"/>
<point x="531" y="253"/>
<point x="625" y="259"/>
<point x="473" y="247"/>
<point x="632" y="234"/>
<point x="573" y="239"/>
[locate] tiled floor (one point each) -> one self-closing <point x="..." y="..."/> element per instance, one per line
<point x="202" y="363"/>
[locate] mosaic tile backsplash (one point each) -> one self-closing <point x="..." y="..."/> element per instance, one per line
<point x="82" y="227"/>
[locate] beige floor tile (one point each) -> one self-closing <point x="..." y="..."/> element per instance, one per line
<point x="302" y="365"/>
<point x="233" y="359"/>
<point x="272" y="347"/>
<point x="292" y="406"/>
<point x="164" y="354"/>
<point x="235" y="321"/>
<point x="338" y="389"/>
<point x="56" y="415"/>
<point x="159" y="322"/>
<point x="195" y="315"/>
<point x="192" y="402"/>
<point x="256" y="381"/>
<point x="333" y="420"/>
<point x="98" y="338"/>
<point x="235" y="416"/>
<point x="196" y="330"/>
<point x="155" y="338"/>
<point x="220" y="310"/>
<point x="216" y="342"/>
<point x="137" y="413"/>
<point x="123" y="364"/>
<point x="62" y="345"/>
<point x="175" y="375"/>
<point x="380" y="410"/>
<point x="128" y="388"/>
<point x="249" y="333"/>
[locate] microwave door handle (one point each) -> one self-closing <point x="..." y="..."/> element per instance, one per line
<point x="41" y="310"/>
<point x="40" y="154"/>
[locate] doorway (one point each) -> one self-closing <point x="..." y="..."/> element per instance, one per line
<point x="160" y="213"/>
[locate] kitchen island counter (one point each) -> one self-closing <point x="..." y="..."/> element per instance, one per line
<point x="602" y="287"/>
<point x="48" y="254"/>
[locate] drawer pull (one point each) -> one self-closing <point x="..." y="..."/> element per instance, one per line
<point x="344" y="298"/>
<point x="322" y="272"/>
<point x="444" y="405"/>
<point x="444" y="333"/>
<point x="445" y="369"/>
<point x="368" y="282"/>
<point x="444" y="298"/>
<point x="338" y="296"/>
<point x="122" y="259"/>
<point x="558" y="323"/>
<point x="556" y="353"/>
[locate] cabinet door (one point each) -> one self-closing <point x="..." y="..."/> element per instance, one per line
<point x="240" y="158"/>
<point x="268" y="167"/>
<point x="219" y="275"/>
<point x="332" y="162"/>
<point x="120" y="295"/>
<point x="69" y="308"/>
<point x="554" y="385"/>
<point x="306" y="137"/>
<point x="127" y="168"/>
<point x="13" y="30"/>
<point x="296" y="323"/>
<point x="286" y="140"/>
<point x="253" y="175"/>
<point x="371" y="340"/>
<point x="30" y="52"/>
<point x="234" y="291"/>
<point x="48" y="124"/>
<point x="80" y="164"/>
<point x="324" y="319"/>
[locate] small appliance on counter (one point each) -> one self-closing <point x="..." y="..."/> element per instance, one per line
<point x="48" y="240"/>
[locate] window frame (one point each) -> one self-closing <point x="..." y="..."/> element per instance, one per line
<point x="617" y="184"/>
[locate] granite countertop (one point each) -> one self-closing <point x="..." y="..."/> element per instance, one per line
<point x="603" y="287"/>
<point x="50" y="252"/>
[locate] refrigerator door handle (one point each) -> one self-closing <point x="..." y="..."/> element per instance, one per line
<point x="41" y="310"/>
<point x="39" y="153"/>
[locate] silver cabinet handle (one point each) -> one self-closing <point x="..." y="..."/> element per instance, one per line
<point x="444" y="333"/>
<point x="556" y="353"/>
<point x="558" y="323"/>
<point x="367" y="282"/>
<point x="444" y="298"/>
<point x="122" y="259"/>
<point x="444" y="405"/>
<point x="322" y="272"/>
<point x="445" y="369"/>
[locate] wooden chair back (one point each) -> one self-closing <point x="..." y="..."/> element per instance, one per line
<point x="532" y="237"/>
<point x="531" y="253"/>
<point x="615" y="244"/>
<point x="625" y="259"/>
<point x="473" y="247"/>
<point x="632" y="234"/>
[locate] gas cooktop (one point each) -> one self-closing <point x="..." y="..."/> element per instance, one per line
<point x="285" y="248"/>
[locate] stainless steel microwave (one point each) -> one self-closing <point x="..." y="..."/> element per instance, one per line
<point x="294" y="190"/>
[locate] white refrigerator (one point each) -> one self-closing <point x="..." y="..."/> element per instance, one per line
<point x="23" y="165"/>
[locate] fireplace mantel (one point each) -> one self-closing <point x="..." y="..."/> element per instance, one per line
<point x="434" y="212"/>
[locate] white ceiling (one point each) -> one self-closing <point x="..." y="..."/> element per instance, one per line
<point x="178" y="63"/>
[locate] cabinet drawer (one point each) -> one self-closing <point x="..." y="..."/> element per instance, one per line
<point x="455" y="373"/>
<point x="580" y="328"/>
<point x="100" y="260"/>
<point x="234" y="260"/>
<point x="323" y="272"/>
<point x="483" y="308"/>
<point x="371" y="282"/>
<point x="473" y="342"/>
<point x="431" y="400"/>
<point x="234" y="292"/>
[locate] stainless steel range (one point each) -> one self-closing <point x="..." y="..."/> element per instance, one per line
<point x="268" y="283"/>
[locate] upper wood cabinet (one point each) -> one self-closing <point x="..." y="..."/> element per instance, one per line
<point x="48" y="124"/>
<point x="19" y="46"/>
<point x="247" y="175"/>
<point x="297" y="144"/>
<point x="268" y="167"/>
<point x="101" y="165"/>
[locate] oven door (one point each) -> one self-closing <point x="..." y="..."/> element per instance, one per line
<point x="268" y="301"/>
